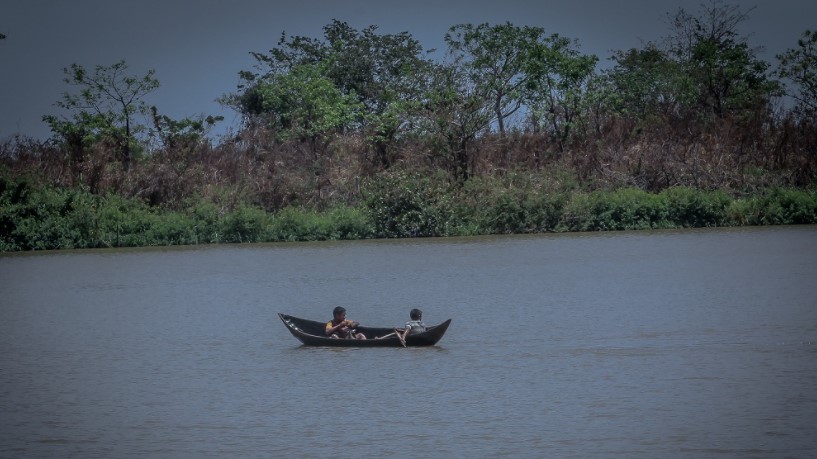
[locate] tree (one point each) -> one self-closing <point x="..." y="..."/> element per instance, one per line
<point x="305" y="105"/>
<point x="386" y="74"/>
<point x="649" y="84"/>
<point x="183" y="134"/>
<point x="457" y="112"/>
<point x="729" y="76"/>
<point x="105" y="106"/>
<point x="389" y="76"/>
<point x="799" y="66"/>
<point x="558" y="75"/>
<point x="495" y="59"/>
<point x="379" y="69"/>
<point x="376" y="69"/>
<point x="78" y="134"/>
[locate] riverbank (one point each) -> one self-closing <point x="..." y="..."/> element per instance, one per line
<point x="399" y="205"/>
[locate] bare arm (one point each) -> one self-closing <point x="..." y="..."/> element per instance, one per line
<point x="339" y="327"/>
<point x="344" y="326"/>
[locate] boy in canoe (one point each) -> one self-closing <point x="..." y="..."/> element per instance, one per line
<point x="415" y="325"/>
<point x="341" y="328"/>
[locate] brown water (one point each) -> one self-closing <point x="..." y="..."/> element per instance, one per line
<point x="647" y="344"/>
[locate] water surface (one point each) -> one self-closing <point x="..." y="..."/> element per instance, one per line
<point x="645" y="344"/>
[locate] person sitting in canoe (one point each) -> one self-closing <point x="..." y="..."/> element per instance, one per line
<point x="341" y="328"/>
<point x="415" y="325"/>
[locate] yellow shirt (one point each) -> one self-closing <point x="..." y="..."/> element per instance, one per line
<point x="331" y="324"/>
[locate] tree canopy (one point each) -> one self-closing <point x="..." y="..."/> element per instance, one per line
<point x="103" y="106"/>
<point x="799" y="65"/>
<point x="501" y="100"/>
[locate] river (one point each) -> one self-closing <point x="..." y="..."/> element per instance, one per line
<point x="694" y="343"/>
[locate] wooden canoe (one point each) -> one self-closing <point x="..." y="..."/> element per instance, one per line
<point x="311" y="333"/>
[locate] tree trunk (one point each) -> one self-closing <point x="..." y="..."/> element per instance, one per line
<point x="126" y="151"/>
<point x="500" y="121"/>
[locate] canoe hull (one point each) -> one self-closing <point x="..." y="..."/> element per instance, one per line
<point x="310" y="333"/>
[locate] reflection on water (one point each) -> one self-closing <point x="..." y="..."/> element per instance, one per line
<point x="643" y="344"/>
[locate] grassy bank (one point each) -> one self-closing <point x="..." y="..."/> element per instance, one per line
<point x="36" y="217"/>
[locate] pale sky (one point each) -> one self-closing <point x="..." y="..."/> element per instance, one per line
<point x="198" y="47"/>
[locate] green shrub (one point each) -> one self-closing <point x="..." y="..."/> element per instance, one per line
<point x="624" y="209"/>
<point x="545" y="211"/>
<point x="206" y="217"/>
<point x="394" y="204"/>
<point x="172" y="228"/>
<point x="350" y="223"/>
<point x="295" y="224"/>
<point x="512" y="203"/>
<point x="776" y="207"/>
<point x="245" y="224"/>
<point x="46" y="218"/>
<point x="408" y="205"/>
<point x="739" y="212"/>
<point x="124" y="222"/>
<point x="506" y="214"/>
<point x="634" y="209"/>
<point x="578" y="214"/>
<point x="797" y="206"/>
<point x="691" y="208"/>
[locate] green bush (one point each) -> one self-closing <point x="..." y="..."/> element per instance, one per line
<point x="624" y="209"/>
<point x="506" y="214"/>
<point x="245" y="224"/>
<point x="775" y="207"/>
<point x="512" y="203"/>
<point x="394" y="204"/>
<point x="124" y="222"/>
<point x="206" y="218"/>
<point x="797" y="206"/>
<point x="691" y="208"/>
<point x="350" y="223"/>
<point x="294" y="224"/>
<point x="633" y="209"/>
<point x="545" y="212"/>
<point x="46" y="218"/>
<point x="578" y="214"/>
<point x="172" y="228"/>
<point x="408" y="205"/>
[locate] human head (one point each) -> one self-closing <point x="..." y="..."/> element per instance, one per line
<point x="339" y="311"/>
<point x="416" y="314"/>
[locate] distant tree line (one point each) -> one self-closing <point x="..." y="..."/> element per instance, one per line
<point x="323" y="118"/>
<point x="501" y="78"/>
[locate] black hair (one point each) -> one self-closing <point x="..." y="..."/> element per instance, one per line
<point x="416" y="314"/>
<point x="338" y="310"/>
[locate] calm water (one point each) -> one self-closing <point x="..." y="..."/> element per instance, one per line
<point x="662" y="344"/>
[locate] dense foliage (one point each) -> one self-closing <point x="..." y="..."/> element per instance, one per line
<point x="396" y="205"/>
<point x="358" y="134"/>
